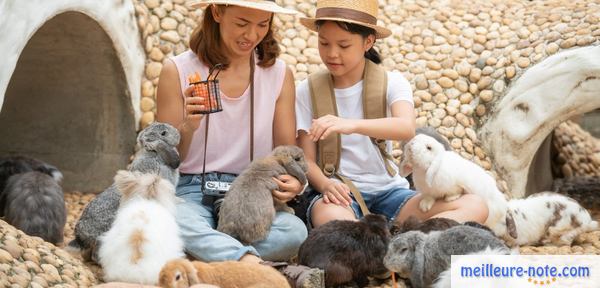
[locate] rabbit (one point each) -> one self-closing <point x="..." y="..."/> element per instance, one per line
<point x="431" y="132"/>
<point x="249" y="208"/>
<point x="439" y="173"/>
<point x="432" y="224"/>
<point x="36" y="205"/>
<point x="144" y="235"/>
<point x="547" y="218"/>
<point x="11" y="165"/>
<point x="158" y="154"/>
<point x="348" y="251"/>
<point x="584" y="189"/>
<point x="184" y="273"/>
<point x="486" y="256"/>
<point x="422" y="257"/>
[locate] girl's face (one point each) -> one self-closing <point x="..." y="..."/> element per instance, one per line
<point x="241" y="28"/>
<point x="341" y="51"/>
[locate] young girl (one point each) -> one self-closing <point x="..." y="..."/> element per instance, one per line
<point x="258" y="94"/>
<point x="347" y="32"/>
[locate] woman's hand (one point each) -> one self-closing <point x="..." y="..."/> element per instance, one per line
<point x="322" y="127"/>
<point x="192" y="106"/>
<point x="289" y="187"/>
<point x="337" y="193"/>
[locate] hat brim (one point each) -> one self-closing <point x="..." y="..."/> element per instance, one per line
<point x="311" y="24"/>
<point x="264" y="6"/>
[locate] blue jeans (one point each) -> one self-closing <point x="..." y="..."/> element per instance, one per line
<point x="387" y="202"/>
<point x="197" y="228"/>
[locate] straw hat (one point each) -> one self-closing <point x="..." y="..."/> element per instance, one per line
<point x="265" y="5"/>
<point x="361" y="12"/>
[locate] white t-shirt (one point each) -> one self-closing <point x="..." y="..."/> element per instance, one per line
<point x="360" y="161"/>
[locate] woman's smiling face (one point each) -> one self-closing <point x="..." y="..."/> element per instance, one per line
<point x="242" y="29"/>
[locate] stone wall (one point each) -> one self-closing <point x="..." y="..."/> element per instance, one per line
<point x="461" y="57"/>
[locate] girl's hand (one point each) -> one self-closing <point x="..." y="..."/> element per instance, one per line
<point x="289" y="187"/>
<point x="322" y="127"/>
<point x="337" y="193"/>
<point x="192" y="106"/>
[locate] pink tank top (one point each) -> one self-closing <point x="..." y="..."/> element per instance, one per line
<point x="229" y="132"/>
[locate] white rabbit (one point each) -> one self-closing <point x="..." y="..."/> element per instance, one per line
<point x="144" y="235"/>
<point x="547" y="218"/>
<point x="438" y="173"/>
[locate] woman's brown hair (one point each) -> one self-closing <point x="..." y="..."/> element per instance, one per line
<point x="205" y="41"/>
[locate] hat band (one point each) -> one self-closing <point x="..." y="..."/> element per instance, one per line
<point x="345" y="13"/>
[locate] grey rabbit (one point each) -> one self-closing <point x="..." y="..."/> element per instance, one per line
<point x="429" y="225"/>
<point x="11" y="165"/>
<point x="414" y="224"/>
<point x="36" y="205"/>
<point x="158" y="155"/>
<point x="248" y="208"/>
<point x="422" y="257"/>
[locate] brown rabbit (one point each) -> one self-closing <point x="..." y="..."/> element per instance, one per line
<point x="184" y="273"/>
<point x="248" y="208"/>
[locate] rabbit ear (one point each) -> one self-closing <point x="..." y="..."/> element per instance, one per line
<point x="292" y="168"/>
<point x="168" y="154"/>
<point x="511" y="226"/>
<point x="433" y="170"/>
<point x="405" y="167"/>
<point x="192" y="273"/>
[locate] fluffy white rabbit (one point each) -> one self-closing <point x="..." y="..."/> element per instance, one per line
<point x="144" y="235"/>
<point x="438" y="173"/>
<point x="547" y="218"/>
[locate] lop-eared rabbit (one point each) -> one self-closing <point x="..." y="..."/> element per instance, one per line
<point x="547" y="218"/>
<point x="184" y="273"/>
<point x="31" y="198"/>
<point x="422" y="257"/>
<point x="158" y="154"/>
<point x="144" y="235"/>
<point x="348" y="251"/>
<point x="442" y="174"/>
<point x="248" y="209"/>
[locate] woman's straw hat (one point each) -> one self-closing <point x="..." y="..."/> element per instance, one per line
<point x="361" y="12"/>
<point x="265" y="5"/>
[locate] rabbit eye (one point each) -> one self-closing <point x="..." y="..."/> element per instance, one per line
<point x="163" y="133"/>
<point x="429" y="147"/>
<point x="403" y="250"/>
<point x="177" y="277"/>
<point x="298" y="158"/>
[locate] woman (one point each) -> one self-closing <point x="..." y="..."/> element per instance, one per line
<point x="347" y="32"/>
<point x="257" y="93"/>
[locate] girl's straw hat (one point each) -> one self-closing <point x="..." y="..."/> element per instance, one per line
<point x="361" y="12"/>
<point x="265" y="5"/>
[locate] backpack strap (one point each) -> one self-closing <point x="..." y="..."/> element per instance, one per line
<point x="329" y="149"/>
<point x="374" y="100"/>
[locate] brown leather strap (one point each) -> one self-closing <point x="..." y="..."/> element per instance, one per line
<point x="252" y="107"/>
<point x="205" y="148"/>
<point x="357" y="196"/>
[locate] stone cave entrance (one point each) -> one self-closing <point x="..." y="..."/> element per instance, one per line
<point x="68" y="103"/>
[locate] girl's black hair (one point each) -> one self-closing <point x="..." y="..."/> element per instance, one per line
<point x="364" y="31"/>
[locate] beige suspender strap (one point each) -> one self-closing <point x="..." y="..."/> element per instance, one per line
<point x="329" y="149"/>
<point x="357" y="196"/>
<point x="374" y="99"/>
<point x="323" y="103"/>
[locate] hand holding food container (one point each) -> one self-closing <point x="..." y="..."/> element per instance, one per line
<point x="208" y="91"/>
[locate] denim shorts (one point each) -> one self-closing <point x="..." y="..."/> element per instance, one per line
<point x="386" y="202"/>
